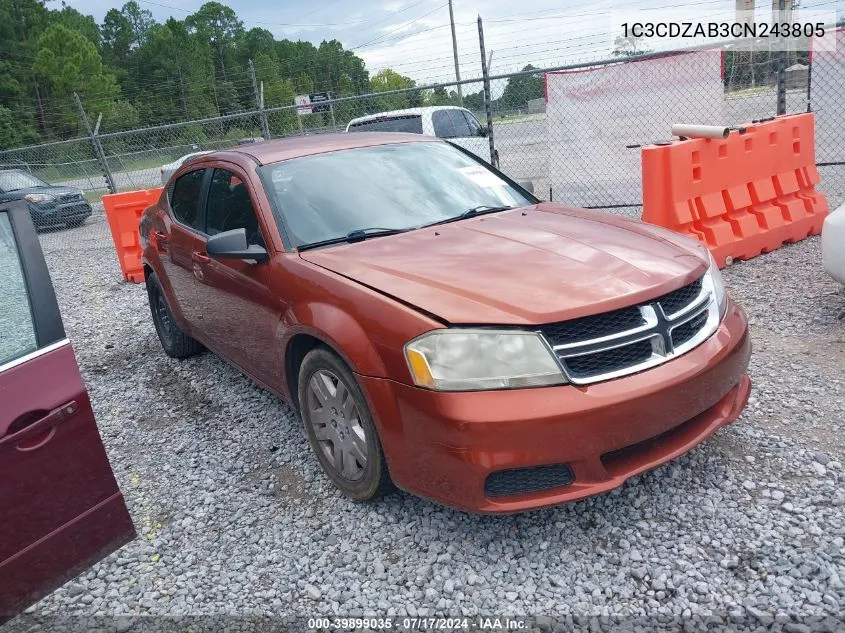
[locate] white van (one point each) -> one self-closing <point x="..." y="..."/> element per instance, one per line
<point x="459" y="125"/>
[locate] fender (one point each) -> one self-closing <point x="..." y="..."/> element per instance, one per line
<point x="337" y="329"/>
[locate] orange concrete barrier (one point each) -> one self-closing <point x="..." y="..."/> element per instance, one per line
<point x="123" y="211"/>
<point x="741" y="196"/>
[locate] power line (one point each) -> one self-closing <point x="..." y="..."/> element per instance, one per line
<point x="398" y="28"/>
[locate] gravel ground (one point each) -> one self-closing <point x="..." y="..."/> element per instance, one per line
<point x="235" y="518"/>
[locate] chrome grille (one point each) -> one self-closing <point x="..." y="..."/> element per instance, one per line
<point x="625" y="341"/>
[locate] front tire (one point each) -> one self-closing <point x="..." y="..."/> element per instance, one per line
<point x="340" y="427"/>
<point x="174" y="341"/>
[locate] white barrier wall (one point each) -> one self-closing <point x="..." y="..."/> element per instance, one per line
<point x="592" y="114"/>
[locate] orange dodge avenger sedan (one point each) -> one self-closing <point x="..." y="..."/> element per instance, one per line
<point x="437" y="326"/>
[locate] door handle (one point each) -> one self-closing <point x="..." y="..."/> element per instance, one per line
<point x="44" y="427"/>
<point x="200" y="258"/>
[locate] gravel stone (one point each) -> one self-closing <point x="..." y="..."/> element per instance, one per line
<point x="821" y="458"/>
<point x="235" y="517"/>
<point x="820" y="470"/>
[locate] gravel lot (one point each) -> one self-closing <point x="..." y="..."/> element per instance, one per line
<point x="235" y="518"/>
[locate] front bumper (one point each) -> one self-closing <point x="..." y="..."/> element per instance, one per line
<point x="444" y="445"/>
<point x="59" y="215"/>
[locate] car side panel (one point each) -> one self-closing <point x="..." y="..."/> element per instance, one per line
<point x="167" y="249"/>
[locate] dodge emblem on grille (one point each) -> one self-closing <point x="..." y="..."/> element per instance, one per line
<point x="661" y="344"/>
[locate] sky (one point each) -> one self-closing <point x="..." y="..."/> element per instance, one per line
<point x="413" y="36"/>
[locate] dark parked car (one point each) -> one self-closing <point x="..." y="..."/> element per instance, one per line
<point x="437" y="326"/>
<point x="49" y="205"/>
<point x="60" y="507"/>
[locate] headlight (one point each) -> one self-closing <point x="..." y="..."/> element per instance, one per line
<point x="713" y="277"/>
<point x="467" y="360"/>
<point x="39" y="198"/>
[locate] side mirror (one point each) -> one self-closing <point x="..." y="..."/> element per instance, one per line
<point x="483" y="131"/>
<point x="527" y="185"/>
<point x="233" y="245"/>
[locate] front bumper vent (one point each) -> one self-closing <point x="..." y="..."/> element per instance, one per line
<point x="520" y="481"/>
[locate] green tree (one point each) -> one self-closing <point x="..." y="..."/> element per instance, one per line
<point x="21" y="23"/>
<point x="11" y="131"/>
<point x="123" y="31"/>
<point x="386" y="80"/>
<point x="628" y="46"/>
<point x="66" y="62"/>
<point x="520" y="89"/>
<point x="116" y="38"/>
<point x="77" y="22"/>
<point x="219" y="26"/>
<point x="138" y="72"/>
<point x="440" y="97"/>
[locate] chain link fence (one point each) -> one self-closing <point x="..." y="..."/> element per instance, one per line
<point x="574" y="131"/>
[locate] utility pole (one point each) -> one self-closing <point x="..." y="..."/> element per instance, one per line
<point x="488" y="99"/>
<point x="455" y="52"/>
<point x="259" y="101"/>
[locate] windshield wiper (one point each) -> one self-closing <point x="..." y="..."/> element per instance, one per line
<point x="358" y="235"/>
<point x="479" y="210"/>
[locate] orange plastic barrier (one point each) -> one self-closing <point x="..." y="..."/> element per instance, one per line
<point x="742" y="196"/>
<point x="123" y="211"/>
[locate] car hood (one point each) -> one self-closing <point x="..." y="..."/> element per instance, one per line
<point x="51" y="190"/>
<point x="533" y="265"/>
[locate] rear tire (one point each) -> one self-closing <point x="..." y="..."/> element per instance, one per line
<point x="174" y="341"/>
<point x="340" y="427"/>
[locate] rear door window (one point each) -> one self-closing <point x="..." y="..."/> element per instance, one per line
<point x="450" y="124"/>
<point x="16" y="325"/>
<point x="410" y="123"/>
<point x="185" y="198"/>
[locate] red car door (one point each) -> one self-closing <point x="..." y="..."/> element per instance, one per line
<point x="60" y="507"/>
<point x="240" y="312"/>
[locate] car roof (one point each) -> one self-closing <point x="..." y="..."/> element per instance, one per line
<point x="294" y="147"/>
<point x="403" y="112"/>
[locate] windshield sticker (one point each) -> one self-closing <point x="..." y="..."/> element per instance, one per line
<point x="482" y="177"/>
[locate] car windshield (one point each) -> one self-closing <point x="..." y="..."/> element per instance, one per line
<point x="397" y="186"/>
<point x="14" y="180"/>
